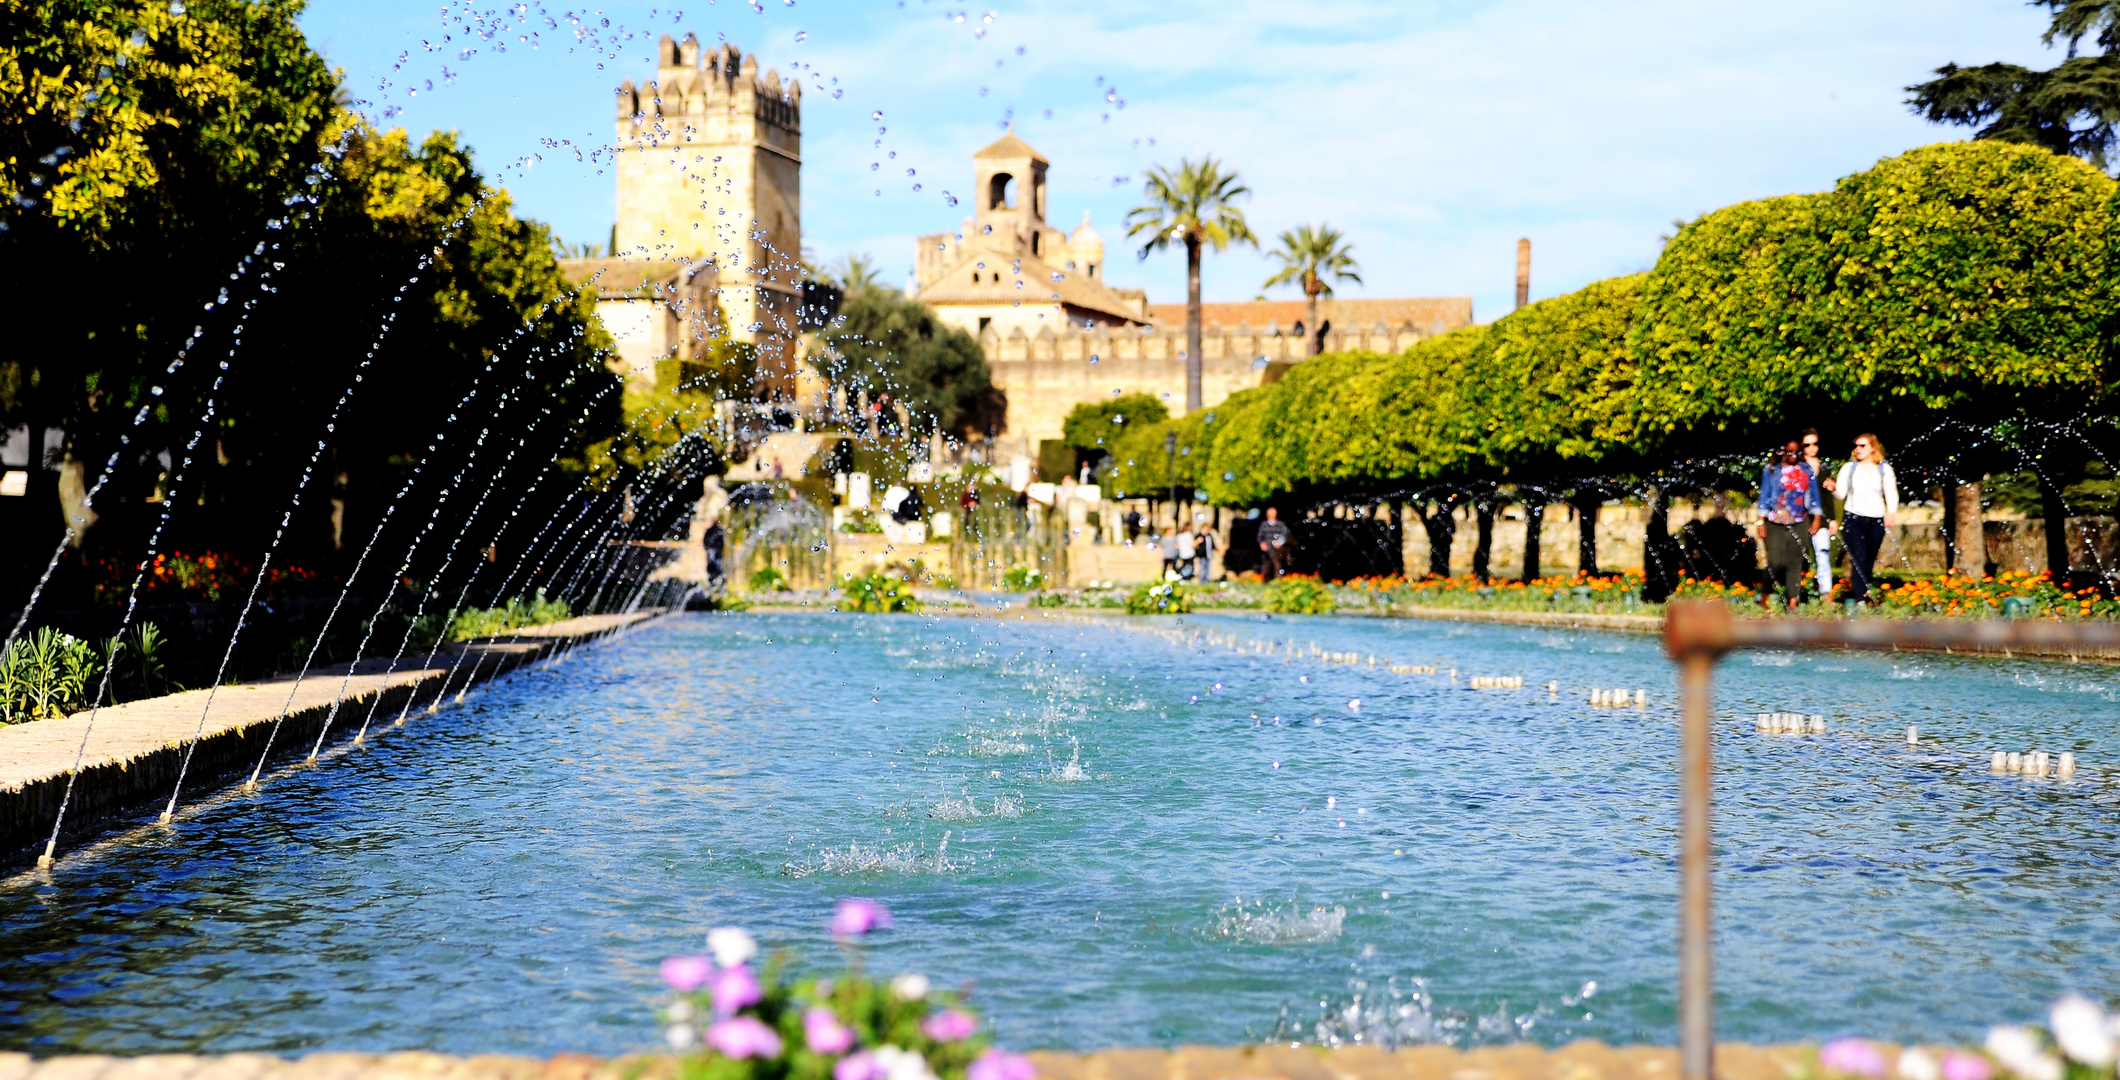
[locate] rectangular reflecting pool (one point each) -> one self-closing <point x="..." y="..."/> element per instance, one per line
<point x="1118" y="832"/>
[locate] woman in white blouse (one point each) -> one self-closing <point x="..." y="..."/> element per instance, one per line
<point x="1869" y="500"/>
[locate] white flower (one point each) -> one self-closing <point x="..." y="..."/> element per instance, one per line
<point x="680" y="1011"/>
<point x="2019" y="1052"/>
<point x="2079" y="1026"/>
<point x="1917" y="1064"/>
<point x="909" y="987"/>
<point x="904" y="1064"/>
<point x="681" y="1036"/>
<point x="730" y="946"/>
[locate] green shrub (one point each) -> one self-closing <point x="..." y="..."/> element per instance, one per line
<point x="1298" y="594"/>
<point x="769" y="579"/>
<point x="878" y="594"/>
<point x="48" y="673"/>
<point x="509" y="617"/>
<point x="1166" y="598"/>
<point x="1024" y="579"/>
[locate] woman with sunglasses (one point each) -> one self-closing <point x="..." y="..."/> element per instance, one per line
<point x="1869" y="495"/>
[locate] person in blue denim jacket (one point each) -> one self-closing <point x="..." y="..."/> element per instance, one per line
<point x="1788" y="515"/>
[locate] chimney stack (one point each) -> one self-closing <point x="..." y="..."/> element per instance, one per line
<point x="1523" y="271"/>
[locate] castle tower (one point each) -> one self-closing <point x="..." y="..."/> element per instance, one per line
<point x="709" y="164"/>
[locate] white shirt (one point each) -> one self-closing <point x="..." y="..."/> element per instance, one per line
<point x="1867" y="489"/>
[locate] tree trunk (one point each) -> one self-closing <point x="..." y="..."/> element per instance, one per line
<point x="1398" y="538"/>
<point x="1586" y="507"/>
<point x="1483" y="547"/>
<point x="2055" y="509"/>
<point x="1659" y="551"/>
<point x="1965" y="545"/>
<point x="1441" y="527"/>
<point x="1310" y="324"/>
<point x="1534" y="525"/>
<point x="1193" y="394"/>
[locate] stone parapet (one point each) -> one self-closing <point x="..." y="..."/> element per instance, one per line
<point x="1586" y="1060"/>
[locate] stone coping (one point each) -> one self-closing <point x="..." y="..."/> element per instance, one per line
<point x="1584" y="1060"/>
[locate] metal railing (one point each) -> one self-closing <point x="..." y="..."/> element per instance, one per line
<point x="1697" y="635"/>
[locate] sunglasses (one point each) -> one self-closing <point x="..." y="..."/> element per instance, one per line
<point x="1810" y="442"/>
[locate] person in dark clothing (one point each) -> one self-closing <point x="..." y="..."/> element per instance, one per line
<point x="1273" y="545"/>
<point x="1789" y="514"/>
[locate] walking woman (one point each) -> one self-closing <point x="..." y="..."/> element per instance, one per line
<point x="1869" y="500"/>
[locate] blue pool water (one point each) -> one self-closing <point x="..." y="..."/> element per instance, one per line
<point x="1055" y="818"/>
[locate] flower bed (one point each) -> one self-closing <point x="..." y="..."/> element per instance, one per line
<point x="730" y="1023"/>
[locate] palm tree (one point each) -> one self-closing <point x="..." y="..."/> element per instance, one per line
<point x="1309" y="254"/>
<point x="857" y="272"/>
<point x="1193" y="204"/>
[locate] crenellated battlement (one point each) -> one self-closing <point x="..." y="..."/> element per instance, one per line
<point x="1047" y="373"/>
<point x="727" y="82"/>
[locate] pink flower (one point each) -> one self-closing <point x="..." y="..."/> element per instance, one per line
<point x="733" y="988"/>
<point x="685" y="974"/>
<point x="825" y="1034"/>
<point x="861" y="1066"/>
<point x="950" y="1025"/>
<point x="1855" y="1056"/>
<point x="857" y="917"/>
<point x="743" y="1037"/>
<point x="1958" y="1065"/>
<point x="998" y="1064"/>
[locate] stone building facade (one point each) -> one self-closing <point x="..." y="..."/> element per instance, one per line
<point x="708" y="157"/>
<point x="1057" y="333"/>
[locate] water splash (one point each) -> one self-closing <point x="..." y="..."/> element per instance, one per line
<point x="1005" y="807"/>
<point x="858" y="858"/>
<point x="1401" y="1013"/>
<point x="1268" y="924"/>
<point x="1071" y="771"/>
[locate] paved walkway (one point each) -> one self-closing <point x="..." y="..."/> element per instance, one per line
<point x="1576" y="1061"/>
<point x="135" y="750"/>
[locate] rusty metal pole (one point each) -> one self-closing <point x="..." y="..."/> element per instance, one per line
<point x="1696" y="927"/>
<point x="1696" y="635"/>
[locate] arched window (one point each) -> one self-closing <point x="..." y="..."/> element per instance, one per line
<point x="1001" y="192"/>
<point x="1035" y="238"/>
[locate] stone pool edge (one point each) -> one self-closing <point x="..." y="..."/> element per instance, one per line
<point x="1582" y="1060"/>
<point x="142" y="743"/>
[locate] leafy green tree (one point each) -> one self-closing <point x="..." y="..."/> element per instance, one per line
<point x="1549" y="389"/>
<point x="195" y="159"/>
<point x="2068" y="109"/>
<point x="1965" y="277"/>
<point x="1314" y="256"/>
<point x="1193" y="205"/>
<point x="1095" y="426"/>
<point x="885" y="343"/>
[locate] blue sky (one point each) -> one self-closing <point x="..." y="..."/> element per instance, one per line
<point x="1433" y="132"/>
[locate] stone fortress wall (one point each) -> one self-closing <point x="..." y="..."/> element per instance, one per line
<point x="1048" y="373"/>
